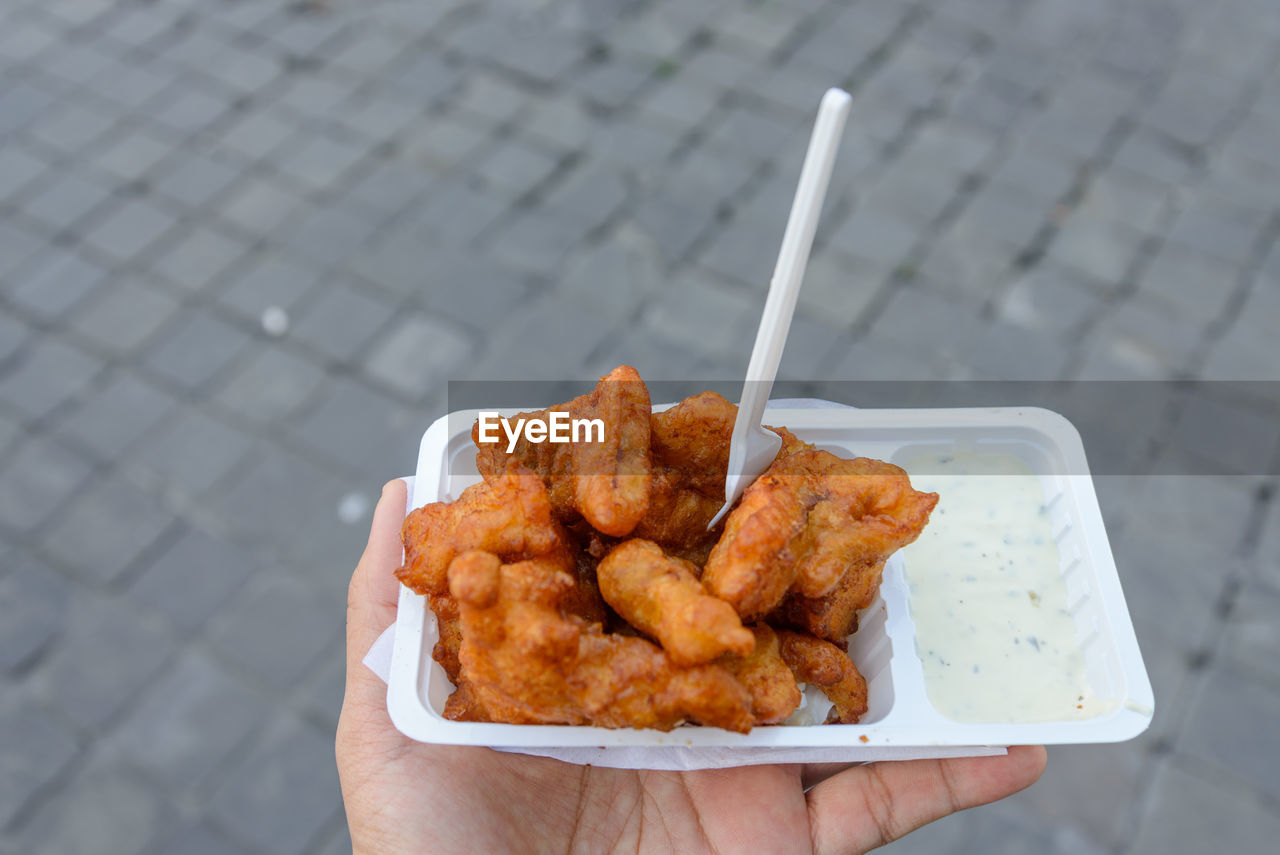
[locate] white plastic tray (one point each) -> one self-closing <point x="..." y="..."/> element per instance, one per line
<point x="883" y="648"/>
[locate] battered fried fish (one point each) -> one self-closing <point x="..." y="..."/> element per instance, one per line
<point x="527" y="662"/>
<point x="604" y="481"/>
<point x="662" y="597"/>
<point x="822" y="664"/>
<point x="690" y="449"/>
<point x="508" y="514"/>
<point x="806" y="522"/>
<point x="767" y="678"/>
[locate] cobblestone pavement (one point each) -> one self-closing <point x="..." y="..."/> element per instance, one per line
<point x="244" y="243"/>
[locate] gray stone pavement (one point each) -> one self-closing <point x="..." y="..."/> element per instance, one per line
<point x="245" y="243"/>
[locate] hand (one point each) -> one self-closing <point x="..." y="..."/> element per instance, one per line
<point x="407" y="797"/>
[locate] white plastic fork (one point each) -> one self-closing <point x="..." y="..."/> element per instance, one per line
<point x="752" y="448"/>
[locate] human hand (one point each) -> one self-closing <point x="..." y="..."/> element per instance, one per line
<point x="407" y="797"/>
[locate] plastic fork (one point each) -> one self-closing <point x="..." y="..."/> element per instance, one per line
<point x="752" y="447"/>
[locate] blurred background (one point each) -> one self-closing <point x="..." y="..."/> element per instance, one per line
<point x="245" y="244"/>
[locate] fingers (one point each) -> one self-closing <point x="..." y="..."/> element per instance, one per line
<point x="860" y="809"/>
<point x="374" y="589"/>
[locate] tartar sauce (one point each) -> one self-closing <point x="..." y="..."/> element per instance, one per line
<point x="987" y="597"/>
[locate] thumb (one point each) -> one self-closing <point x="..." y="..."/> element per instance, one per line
<point x="374" y="589"/>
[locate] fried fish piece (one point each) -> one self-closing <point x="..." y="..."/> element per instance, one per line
<point x="623" y="681"/>
<point x="449" y="634"/>
<point x="690" y="450"/>
<point x="509" y="515"/>
<point x="606" y="480"/>
<point x="662" y="597"/>
<point x="822" y="664"/>
<point x="767" y="677"/>
<point x="805" y="521"/>
<point x="528" y="662"/>
<point x="833" y="616"/>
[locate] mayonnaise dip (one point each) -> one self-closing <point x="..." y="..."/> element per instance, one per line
<point x="987" y="597"/>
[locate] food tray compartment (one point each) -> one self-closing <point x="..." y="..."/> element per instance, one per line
<point x="883" y="648"/>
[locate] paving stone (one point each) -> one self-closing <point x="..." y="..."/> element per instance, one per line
<point x="319" y="161"/>
<point x="634" y="144"/>
<point x="313" y="96"/>
<point x="589" y="195"/>
<point x="199" y="258"/>
<point x="168" y="455"/>
<point x="20" y="104"/>
<point x="743" y="252"/>
<point x="1104" y="252"/>
<point x="445" y="142"/>
<point x="515" y="169"/>
<point x="129" y="84"/>
<point x="199" y="839"/>
<point x="1141" y="339"/>
<point x="112" y="417"/>
<point x="49" y="374"/>
<point x="38" y="749"/>
<point x="330" y="234"/>
<point x="1232" y="436"/>
<point x="537" y="242"/>
<point x="265" y="281"/>
<point x="1154" y="158"/>
<point x="1008" y="352"/>
<point x="1050" y="298"/>
<point x="1252" y="632"/>
<point x="389" y="188"/>
<point x="1118" y="197"/>
<point x="684" y="106"/>
<point x="873" y="236"/>
<point x="276" y="628"/>
<point x="323" y="689"/>
<point x="18" y="169"/>
<point x="65" y="202"/>
<point x="1226" y="729"/>
<point x="105" y="529"/>
<point x="1224" y="231"/>
<point x="190" y="720"/>
<point x="519" y="349"/>
<point x="1183" y="796"/>
<point x="1197" y="285"/>
<point x="1217" y="505"/>
<point x="840" y="289"/>
<point x="417" y="355"/>
<point x="53" y="285"/>
<point x="133" y="155"/>
<point x="194" y="177"/>
<point x="1004" y="216"/>
<point x="615" y="82"/>
<point x="1172" y="577"/>
<point x="1192" y="106"/>
<point x="273" y="384"/>
<point x="754" y="133"/>
<point x="107" y="655"/>
<point x="256" y="135"/>
<point x="559" y="121"/>
<point x="704" y="315"/>
<point x="16" y="247"/>
<point x="965" y="264"/>
<point x="193" y="578"/>
<point x="12" y="336"/>
<point x="189" y="109"/>
<point x="74" y="127"/>
<point x="351" y="421"/>
<point x="1034" y="173"/>
<point x="195" y="349"/>
<point x="78" y="64"/>
<point x="126" y="230"/>
<point x="33" y="612"/>
<point x="341" y="322"/>
<point x="282" y="794"/>
<point x="918" y="194"/>
<point x="260" y="206"/>
<point x="125" y="317"/>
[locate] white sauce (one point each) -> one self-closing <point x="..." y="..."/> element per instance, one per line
<point x="988" y="600"/>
